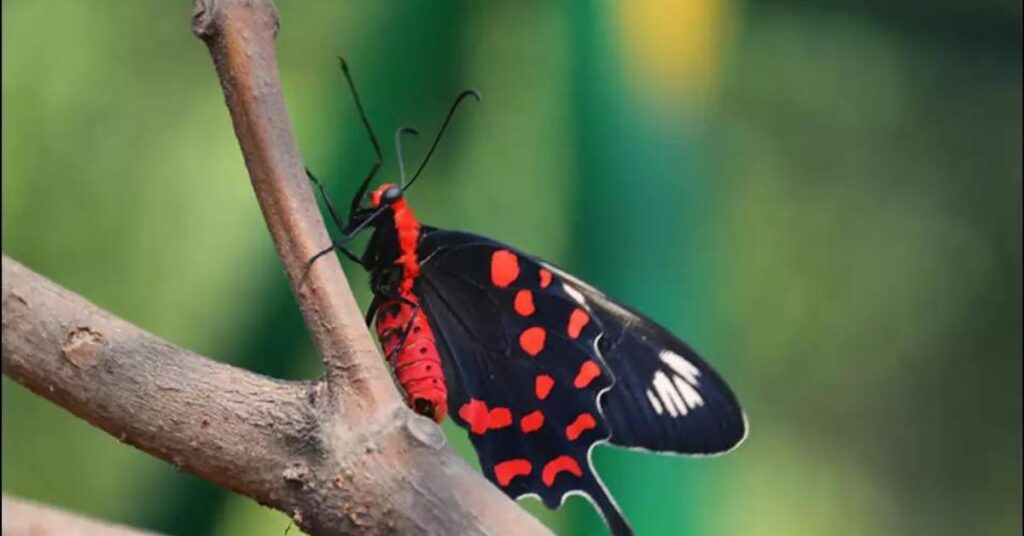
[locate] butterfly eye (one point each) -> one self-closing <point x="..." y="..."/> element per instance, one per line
<point x="391" y="195"/>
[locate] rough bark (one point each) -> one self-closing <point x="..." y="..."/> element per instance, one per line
<point x="340" y="456"/>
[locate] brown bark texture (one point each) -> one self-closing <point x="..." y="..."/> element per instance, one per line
<point x="340" y="456"/>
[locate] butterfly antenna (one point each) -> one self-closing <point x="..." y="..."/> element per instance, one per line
<point x="373" y="140"/>
<point x="444" y="126"/>
<point x="398" y="151"/>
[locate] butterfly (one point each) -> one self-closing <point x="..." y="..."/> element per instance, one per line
<point x="538" y="366"/>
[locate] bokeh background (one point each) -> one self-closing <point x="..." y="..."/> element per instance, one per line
<point x="824" y="198"/>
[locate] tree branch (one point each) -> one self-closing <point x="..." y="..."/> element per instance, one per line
<point x="342" y="456"/>
<point x="26" y="518"/>
<point x="282" y="443"/>
<point x="240" y="36"/>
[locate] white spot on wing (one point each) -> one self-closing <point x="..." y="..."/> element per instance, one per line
<point x="690" y="395"/>
<point x="574" y="294"/>
<point x="679" y="394"/>
<point x="654" y="402"/>
<point x="668" y="394"/>
<point x="680" y="365"/>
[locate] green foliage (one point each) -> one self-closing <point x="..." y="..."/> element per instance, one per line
<point x="825" y="202"/>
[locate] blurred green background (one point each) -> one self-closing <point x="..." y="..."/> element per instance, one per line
<point x="824" y="198"/>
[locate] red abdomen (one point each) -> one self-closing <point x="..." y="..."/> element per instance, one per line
<point x="417" y="364"/>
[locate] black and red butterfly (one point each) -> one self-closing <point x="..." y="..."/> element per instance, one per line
<point x="537" y="365"/>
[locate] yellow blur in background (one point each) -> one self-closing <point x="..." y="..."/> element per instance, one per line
<point x="824" y="199"/>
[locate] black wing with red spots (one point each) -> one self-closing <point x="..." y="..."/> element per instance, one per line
<point x="666" y="398"/>
<point x="524" y="376"/>
<point x="510" y="328"/>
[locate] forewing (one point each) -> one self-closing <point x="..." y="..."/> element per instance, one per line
<point x="666" y="398"/>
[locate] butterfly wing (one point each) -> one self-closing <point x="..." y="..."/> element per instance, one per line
<point x="524" y="378"/>
<point x="666" y="398"/>
<point x="617" y="376"/>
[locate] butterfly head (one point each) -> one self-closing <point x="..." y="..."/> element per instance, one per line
<point x="385" y="194"/>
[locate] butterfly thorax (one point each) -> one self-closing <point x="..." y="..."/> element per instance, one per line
<point x="396" y="239"/>
<point x="407" y="229"/>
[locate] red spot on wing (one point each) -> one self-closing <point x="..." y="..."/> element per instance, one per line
<point x="532" y="340"/>
<point x="509" y="469"/>
<point x="588" y="371"/>
<point x="504" y="268"/>
<point x="577" y="321"/>
<point x="542" y="386"/>
<point x="480" y="419"/>
<point x="475" y="414"/>
<point x="532" y="422"/>
<point x="499" y="418"/>
<point x="545" y="278"/>
<point x="583" y="422"/>
<point x="558" y="465"/>
<point x="524" y="303"/>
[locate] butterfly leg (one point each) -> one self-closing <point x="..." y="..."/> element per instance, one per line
<point x="371" y="311"/>
<point x="336" y="246"/>
<point x="392" y="357"/>
<point x="404" y="335"/>
<point x="377" y="162"/>
<point x="373" y="140"/>
<point x="327" y="200"/>
<point x="387" y="294"/>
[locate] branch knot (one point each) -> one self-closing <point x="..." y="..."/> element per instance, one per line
<point x="83" y="347"/>
<point x="203" y="18"/>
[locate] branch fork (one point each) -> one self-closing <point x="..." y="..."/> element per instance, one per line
<point x="342" y="455"/>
